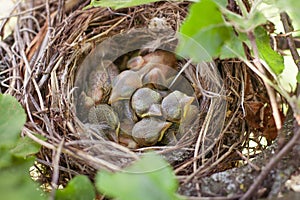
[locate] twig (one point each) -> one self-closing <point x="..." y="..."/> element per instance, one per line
<point x="55" y="164"/>
<point x="177" y="170"/>
<point x="288" y="28"/>
<point x="29" y="133"/>
<point x="211" y="165"/>
<point x="270" y="90"/>
<point x="107" y="31"/>
<point x="5" y="20"/>
<point x="247" y="160"/>
<point x="277" y="87"/>
<point x="272" y="163"/>
<point x="75" y="153"/>
<point x="200" y="139"/>
<point x="61" y="168"/>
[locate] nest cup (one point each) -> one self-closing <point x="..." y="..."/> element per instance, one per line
<point x="201" y="81"/>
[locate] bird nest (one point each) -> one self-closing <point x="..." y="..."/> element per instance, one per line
<point x="41" y="61"/>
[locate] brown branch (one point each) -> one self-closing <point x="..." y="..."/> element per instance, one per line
<point x="272" y="163"/>
<point x="282" y="43"/>
<point x="269" y="89"/>
<point x="55" y="175"/>
<point x="288" y="28"/>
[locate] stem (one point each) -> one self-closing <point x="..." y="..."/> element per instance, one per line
<point x="243" y="8"/>
<point x="292" y="101"/>
<point x="285" y="94"/>
<point x="270" y="90"/>
<point x="55" y="163"/>
<point x="288" y="28"/>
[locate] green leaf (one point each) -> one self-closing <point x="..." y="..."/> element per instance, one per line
<point x="79" y="188"/>
<point x="272" y="58"/>
<point x="26" y="147"/>
<point x="6" y="158"/>
<point x="12" y="119"/>
<point x="290" y="6"/>
<point x="149" y="178"/>
<point x="247" y="23"/>
<point x="233" y="48"/>
<point x="116" y="4"/>
<point x="298" y="77"/>
<point x="202" y="37"/>
<point x="15" y="182"/>
<point x="221" y="3"/>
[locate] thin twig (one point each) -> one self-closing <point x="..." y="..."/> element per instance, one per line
<point x="107" y="31"/>
<point x="247" y="160"/>
<point x="55" y="164"/>
<point x="288" y="28"/>
<point x="203" y="168"/>
<point x="75" y="153"/>
<point x="61" y="168"/>
<point x="271" y="164"/>
<point x="265" y="79"/>
<point x="269" y="89"/>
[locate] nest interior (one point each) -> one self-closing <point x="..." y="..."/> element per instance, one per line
<point x="39" y="63"/>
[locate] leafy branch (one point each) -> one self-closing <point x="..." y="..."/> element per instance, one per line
<point x="264" y="58"/>
<point x="230" y="42"/>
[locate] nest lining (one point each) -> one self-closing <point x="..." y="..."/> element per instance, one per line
<point x="39" y="70"/>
